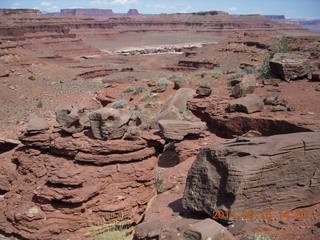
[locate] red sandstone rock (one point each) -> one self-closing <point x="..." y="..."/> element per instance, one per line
<point x="52" y="195"/>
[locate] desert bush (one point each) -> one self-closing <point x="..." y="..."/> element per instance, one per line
<point x="249" y="70"/>
<point x="137" y="89"/>
<point x="155" y="104"/>
<point x="282" y="46"/>
<point x="184" y="111"/>
<point x="189" y="80"/>
<point x="40" y="104"/>
<point x="159" y="183"/>
<point x="162" y="82"/>
<point x="174" y="78"/>
<point x="258" y="237"/>
<point x="201" y="74"/>
<point x="216" y="74"/>
<point x="149" y="95"/>
<point x="116" y="232"/>
<point x="205" y="83"/>
<point x="119" y="103"/>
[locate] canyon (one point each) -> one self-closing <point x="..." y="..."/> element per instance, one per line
<point x="145" y="125"/>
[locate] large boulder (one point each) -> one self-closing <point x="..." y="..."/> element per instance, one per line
<point x="203" y="91"/>
<point x="247" y="85"/>
<point x="249" y="104"/>
<point x="289" y="66"/>
<point x="243" y="174"/>
<point x="72" y="119"/>
<point x="177" y="130"/>
<point x="109" y="123"/>
<point x="176" y="107"/>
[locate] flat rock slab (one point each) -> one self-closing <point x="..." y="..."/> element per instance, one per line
<point x="177" y="130"/>
<point x="289" y="66"/>
<point x="249" y="104"/>
<point x="280" y="172"/>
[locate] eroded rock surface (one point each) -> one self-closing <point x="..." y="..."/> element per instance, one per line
<point x="183" y="229"/>
<point x="289" y="66"/>
<point x="66" y="183"/>
<point x="244" y="174"/>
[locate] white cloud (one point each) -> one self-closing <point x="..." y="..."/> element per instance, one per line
<point x="172" y="7"/>
<point x="123" y="2"/>
<point x="45" y="4"/>
<point x="114" y="2"/>
<point x="15" y="5"/>
<point x="54" y="8"/>
<point x="232" y="9"/>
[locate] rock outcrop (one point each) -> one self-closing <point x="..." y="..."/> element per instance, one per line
<point x="246" y="86"/>
<point x="108" y="123"/>
<point x="176" y="106"/>
<point x="177" y="130"/>
<point x="66" y="183"/>
<point x="73" y="119"/>
<point x="289" y="66"/>
<point x="243" y="174"/>
<point x="249" y="104"/>
<point x="183" y="229"/>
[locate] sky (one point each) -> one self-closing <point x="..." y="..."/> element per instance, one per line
<point x="289" y="8"/>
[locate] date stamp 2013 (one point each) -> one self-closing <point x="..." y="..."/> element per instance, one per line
<point x="260" y="215"/>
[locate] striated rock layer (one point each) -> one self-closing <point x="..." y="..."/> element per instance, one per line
<point x="65" y="183"/>
<point x="279" y="173"/>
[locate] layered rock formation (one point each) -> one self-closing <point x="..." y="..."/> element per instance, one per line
<point x="63" y="183"/>
<point x="243" y="174"/>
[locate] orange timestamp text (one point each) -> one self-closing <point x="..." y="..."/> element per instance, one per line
<point x="264" y="214"/>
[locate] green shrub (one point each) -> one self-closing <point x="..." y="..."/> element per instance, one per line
<point x="137" y="89"/>
<point x="249" y="70"/>
<point x="201" y="74"/>
<point x="162" y="82"/>
<point x="119" y="103"/>
<point x="216" y="74"/>
<point x="184" y="111"/>
<point x="149" y="95"/>
<point x="205" y="83"/>
<point x="174" y="78"/>
<point x="282" y="46"/>
<point x="40" y="104"/>
<point x="116" y="232"/>
<point x="189" y="80"/>
<point x="155" y="104"/>
<point x="258" y="237"/>
<point x="159" y="183"/>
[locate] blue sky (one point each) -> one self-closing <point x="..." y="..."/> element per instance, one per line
<point x="290" y="8"/>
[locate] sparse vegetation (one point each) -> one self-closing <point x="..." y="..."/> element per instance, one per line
<point x="159" y="183"/>
<point x="139" y="112"/>
<point x="40" y="104"/>
<point x="174" y="78"/>
<point x="216" y="74"/>
<point x="189" y="80"/>
<point x="282" y="46"/>
<point x="119" y="103"/>
<point x="205" y="83"/>
<point x="149" y="95"/>
<point x="249" y="69"/>
<point x="115" y="232"/>
<point x="258" y="237"/>
<point x="201" y="74"/>
<point x="184" y="111"/>
<point x="162" y="82"/>
<point x="155" y="104"/>
<point x="136" y="89"/>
